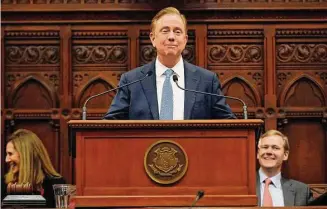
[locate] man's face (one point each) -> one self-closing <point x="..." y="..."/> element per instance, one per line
<point x="12" y="157"/>
<point x="271" y="153"/>
<point x="169" y="36"/>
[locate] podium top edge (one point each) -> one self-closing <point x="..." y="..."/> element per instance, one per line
<point x="166" y="123"/>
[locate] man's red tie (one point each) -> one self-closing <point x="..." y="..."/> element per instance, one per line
<point x="267" y="200"/>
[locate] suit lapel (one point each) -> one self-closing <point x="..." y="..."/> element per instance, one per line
<point x="150" y="89"/>
<point x="191" y="82"/>
<point x="288" y="192"/>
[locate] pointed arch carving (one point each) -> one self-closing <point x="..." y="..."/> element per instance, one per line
<point x="31" y="85"/>
<point x="82" y="93"/>
<point x="302" y="84"/>
<point x="250" y="95"/>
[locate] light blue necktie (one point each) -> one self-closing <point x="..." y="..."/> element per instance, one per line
<point x="167" y="106"/>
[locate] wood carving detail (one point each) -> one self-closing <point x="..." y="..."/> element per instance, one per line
<point x="243" y="90"/>
<point x="99" y="34"/>
<point x="323" y="77"/>
<point x="301" y="53"/>
<point x="32" y="92"/>
<point x="52" y="78"/>
<point x="235" y="54"/>
<point x="303" y="92"/>
<point x="148" y="53"/>
<point x="31" y="34"/>
<point x="219" y="33"/>
<point x="32" y="55"/>
<point x="282" y="78"/>
<point x="114" y="54"/>
<point x="301" y="33"/>
<point x="94" y="87"/>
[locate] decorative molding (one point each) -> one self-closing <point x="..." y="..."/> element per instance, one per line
<point x="189" y="53"/>
<point x="282" y="77"/>
<point x="302" y="114"/>
<point x="12" y="114"/>
<point x="286" y="33"/>
<point x="148" y="53"/>
<point x="32" y="34"/>
<point x="32" y="115"/>
<point x="291" y="91"/>
<point x="231" y="53"/>
<point x="85" y="78"/>
<point x="240" y="115"/>
<point x="323" y="77"/>
<point x="158" y="124"/>
<point x="236" y="33"/>
<point x="52" y="77"/>
<point x="249" y="93"/>
<point x="103" y="54"/>
<point x="301" y="53"/>
<point x="257" y="77"/>
<point x="31" y="55"/>
<point x="99" y="34"/>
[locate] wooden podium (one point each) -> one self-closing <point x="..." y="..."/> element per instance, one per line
<point x="110" y="167"/>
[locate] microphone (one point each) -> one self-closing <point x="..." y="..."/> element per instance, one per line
<point x="105" y="92"/>
<point x="199" y="195"/>
<point x="245" y="112"/>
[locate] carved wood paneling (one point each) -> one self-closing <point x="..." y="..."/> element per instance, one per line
<point x="99" y="57"/>
<point x="237" y="56"/>
<point x="301" y="59"/>
<point x="32" y="65"/>
<point x="307" y="161"/>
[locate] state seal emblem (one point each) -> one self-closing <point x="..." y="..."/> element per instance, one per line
<point x="165" y="162"/>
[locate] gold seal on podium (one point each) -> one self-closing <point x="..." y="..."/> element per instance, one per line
<point x="165" y="162"/>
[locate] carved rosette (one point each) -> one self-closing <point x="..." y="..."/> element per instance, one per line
<point x="32" y="55"/>
<point x="148" y="53"/>
<point x="301" y="53"/>
<point x="112" y="54"/>
<point x="235" y="54"/>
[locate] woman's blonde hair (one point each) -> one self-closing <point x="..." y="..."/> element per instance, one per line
<point x="34" y="162"/>
<point x="166" y="11"/>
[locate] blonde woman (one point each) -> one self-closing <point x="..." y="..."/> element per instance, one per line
<point x="29" y="162"/>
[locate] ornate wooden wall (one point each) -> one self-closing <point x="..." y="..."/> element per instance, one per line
<point x="271" y="53"/>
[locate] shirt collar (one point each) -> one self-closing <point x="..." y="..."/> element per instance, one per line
<point x="276" y="180"/>
<point x="160" y="68"/>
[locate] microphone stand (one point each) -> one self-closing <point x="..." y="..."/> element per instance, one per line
<point x="245" y="112"/>
<point x="84" y="109"/>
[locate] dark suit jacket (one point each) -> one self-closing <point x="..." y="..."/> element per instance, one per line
<point x="139" y="101"/>
<point x="295" y="193"/>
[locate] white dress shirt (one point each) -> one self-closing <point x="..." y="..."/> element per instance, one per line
<point x="178" y="94"/>
<point x="275" y="189"/>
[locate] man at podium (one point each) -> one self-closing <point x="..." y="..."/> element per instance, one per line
<point x="157" y="95"/>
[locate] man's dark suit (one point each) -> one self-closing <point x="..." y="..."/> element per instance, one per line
<point x="295" y="193"/>
<point x="139" y="101"/>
